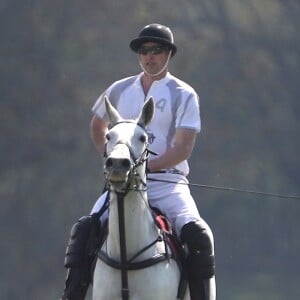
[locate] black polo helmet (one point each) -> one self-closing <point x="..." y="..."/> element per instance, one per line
<point x="156" y="33"/>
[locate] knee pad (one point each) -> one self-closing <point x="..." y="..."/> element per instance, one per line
<point x="83" y="242"/>
<point x="200" y="260"/>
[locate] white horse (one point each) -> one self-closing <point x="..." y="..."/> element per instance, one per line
<point x="134" y="262"/>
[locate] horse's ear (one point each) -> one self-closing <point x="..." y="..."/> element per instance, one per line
<point x="147" y="112"/>
<point x="113" y="115"/>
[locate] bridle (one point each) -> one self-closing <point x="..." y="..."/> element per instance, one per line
<point x="136" y="161"/>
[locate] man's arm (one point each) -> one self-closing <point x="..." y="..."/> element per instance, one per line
<point x="182" y="150"/>
<point x="99" y="128"/>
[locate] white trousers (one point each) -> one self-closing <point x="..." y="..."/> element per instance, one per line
<point x="172" y="199"/>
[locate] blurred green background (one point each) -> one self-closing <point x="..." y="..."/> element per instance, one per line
<point x="242" y="57"/>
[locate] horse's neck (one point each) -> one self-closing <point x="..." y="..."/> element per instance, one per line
<point x="139" y="228"/>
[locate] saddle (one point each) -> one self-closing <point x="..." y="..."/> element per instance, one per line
<point x="165" y="226"/>
<point x="178" y="251"/>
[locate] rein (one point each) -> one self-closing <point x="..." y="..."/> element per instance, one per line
<point x="124" y="273"/>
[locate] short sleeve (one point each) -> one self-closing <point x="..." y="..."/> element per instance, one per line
<point x="188" y="113"/>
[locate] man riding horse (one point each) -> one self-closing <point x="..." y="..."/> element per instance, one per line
<point x="172" y="133"/>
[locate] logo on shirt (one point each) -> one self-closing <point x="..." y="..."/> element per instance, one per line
<point x="151" y="136"/>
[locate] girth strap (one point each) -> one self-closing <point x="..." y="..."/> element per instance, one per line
<point x="133" y="265"/>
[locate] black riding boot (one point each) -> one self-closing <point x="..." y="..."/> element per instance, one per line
<point x="80" y="255"/>
<point x="200" y="261"/>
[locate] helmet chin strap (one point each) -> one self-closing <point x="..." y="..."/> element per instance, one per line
<point x="162" y="69"/>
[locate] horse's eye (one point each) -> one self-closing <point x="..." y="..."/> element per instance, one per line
<point x="107" y="136"/>
<point x="143" y="138"/>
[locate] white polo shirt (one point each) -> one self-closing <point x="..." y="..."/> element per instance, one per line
<point x="176" y="106"/>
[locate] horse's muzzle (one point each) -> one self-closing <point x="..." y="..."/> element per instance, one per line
<point x="117" y="169"/>
<point x="118" y="164"/>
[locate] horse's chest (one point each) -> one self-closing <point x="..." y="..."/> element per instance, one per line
<point x="157" y="282"/>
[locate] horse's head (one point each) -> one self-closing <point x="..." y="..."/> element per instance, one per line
<point x="126" y="148"/>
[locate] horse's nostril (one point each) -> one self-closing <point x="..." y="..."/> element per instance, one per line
<point x="109" y="163"/>
<point x="126" y="164"/>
